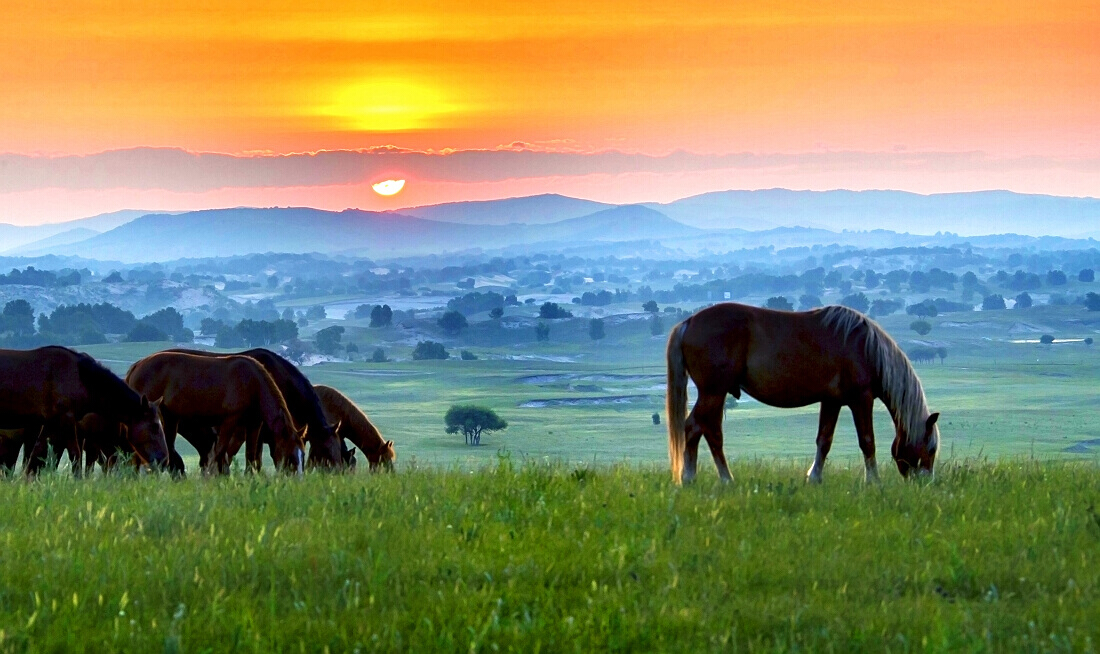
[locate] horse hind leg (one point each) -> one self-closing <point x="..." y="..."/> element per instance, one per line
<point x="826" y="425"/>
<point x="705" y="421"/>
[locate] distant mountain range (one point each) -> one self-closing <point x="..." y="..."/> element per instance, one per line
<point x="968" y="214"/>
<point x="724" y="220"/>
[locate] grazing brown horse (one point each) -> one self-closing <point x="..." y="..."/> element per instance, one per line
<point x="354" y="425"/>
<point x="234" y="392"/>
<point x="47" y="391"/>
<point x="833" y="355"/>
<point x="325" y="448"/>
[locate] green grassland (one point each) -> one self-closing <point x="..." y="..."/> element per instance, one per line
<point x="530" y="557"/>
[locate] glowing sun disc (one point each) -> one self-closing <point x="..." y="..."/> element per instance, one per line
<point x="389" y="187"/>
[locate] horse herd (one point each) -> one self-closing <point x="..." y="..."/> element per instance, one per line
<point x="54" y="398"/>
<point x="834" y="356"/>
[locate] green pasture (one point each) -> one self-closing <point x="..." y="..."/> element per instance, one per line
<point x="526" y="556"/>
<point x="583" y="401"/>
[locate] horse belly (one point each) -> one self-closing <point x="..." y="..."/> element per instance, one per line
<point x="790" y="387"/>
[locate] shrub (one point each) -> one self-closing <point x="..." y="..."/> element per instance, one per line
<point x="1086" y="275"/>
<point x="1023" y="301"/>
<point x="467" y="355"/>
<point x="379" y="355"/>
<point x="542" y="332"/>
<point x="1046" y="339"/>
<point x="656" y="418"/>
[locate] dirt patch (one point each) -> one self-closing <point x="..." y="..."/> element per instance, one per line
<point x="1084" y="447"/>
<point x="583" y="401"/>
<point x="567" y="377"/>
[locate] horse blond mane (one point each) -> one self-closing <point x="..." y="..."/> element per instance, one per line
<point x="901" y="388"/>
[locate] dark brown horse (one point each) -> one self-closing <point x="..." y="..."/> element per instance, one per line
<point x="356" y="427"/>
<point x="234" y="392"/>
<point x="47" y="391"/>
<point x="326" y="449"/>
<point x="833" y="355"/>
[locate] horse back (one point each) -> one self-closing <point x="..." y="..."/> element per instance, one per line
<point x="44" y="382"/>
<point x="783" y="358"/>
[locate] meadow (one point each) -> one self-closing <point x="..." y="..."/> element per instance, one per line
<point x="565" y="533"/>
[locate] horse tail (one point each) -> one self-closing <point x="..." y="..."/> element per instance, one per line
<point x="676" y="400"/>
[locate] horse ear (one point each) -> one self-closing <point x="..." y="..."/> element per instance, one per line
<point x="302" y="432"/>
<point x="351" y="453"/>
<point x="931" y="421"/>
<point x="144" y="402"/>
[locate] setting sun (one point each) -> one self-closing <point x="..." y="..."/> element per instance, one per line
<point x="389" y="187"/>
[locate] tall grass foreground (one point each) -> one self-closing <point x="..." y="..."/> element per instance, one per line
<point x="551" y="557"/>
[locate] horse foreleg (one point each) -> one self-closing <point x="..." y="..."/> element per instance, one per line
<point x="865" y="431"/>
<point x="826" y="425"/>
<point x="254" y="449"/>
<point x="226" y="446"/>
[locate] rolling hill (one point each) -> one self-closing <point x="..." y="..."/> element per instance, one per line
<point x="229" y="232"/>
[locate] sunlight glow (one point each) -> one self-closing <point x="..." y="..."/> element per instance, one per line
<point x="389" y="105"/>
<point x="389" y="187"/>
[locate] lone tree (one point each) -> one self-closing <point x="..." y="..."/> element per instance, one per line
<point x="779" y="303"/>
<point x="1086" y="275"/>
<point x="472" y="420"/>
<point x="1046" y="339"/>
<point x="595" y="329"/>
<point x="922" y="327"/>
<point x="429" y="350"/>
<point x="380" y="315"/>
<point x="452" y="322"/>
<point x="553" y="311"/>
<point x="327" y="340"/>
<point x="993" y="302"/>
<point x="542" y="332"/>
<point x="1024" y="301"/>
<point x="650" y="306"/>
<point x="1092" y="301"/>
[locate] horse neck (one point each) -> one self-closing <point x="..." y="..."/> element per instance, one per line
<point x="369" y="435"/>
<point x="111" y="396"/>
<point x="901" y="391"/>
<point x="272" y="404"/>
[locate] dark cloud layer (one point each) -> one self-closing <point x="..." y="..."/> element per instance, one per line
<point x="189" y="172"/>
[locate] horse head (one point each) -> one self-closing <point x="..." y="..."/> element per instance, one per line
<point x="329" y="450"/>
<point x="145" y="432"/>
<point x="289" y="452"/>
<point x="383" y="458"/>
<point x="917" y="455"/>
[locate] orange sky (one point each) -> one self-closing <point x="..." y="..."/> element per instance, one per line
<point x="1009" y="79"/>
